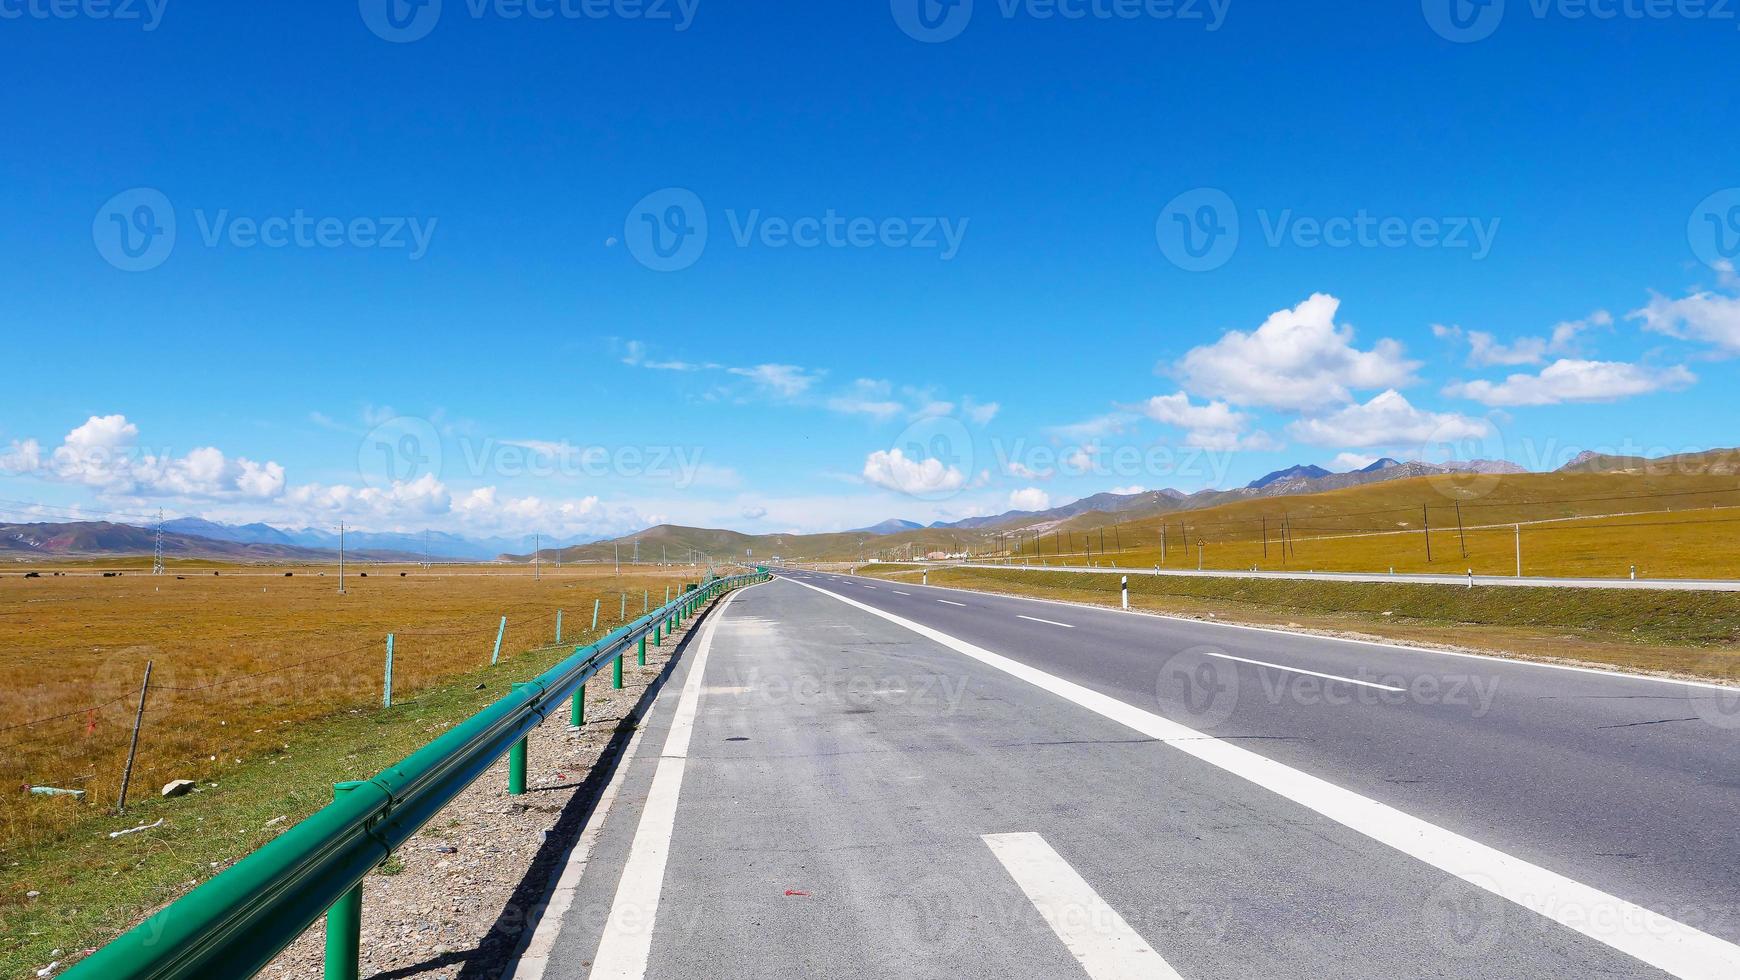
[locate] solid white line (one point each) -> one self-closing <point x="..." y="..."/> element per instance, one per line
<point x="1655" y="939"/>
<point x="1301" y="670"/>
<point x="1096" y="935"/>
<point x="950" y="602"/>
<point x="1048" y="622"/>
<point x="627" y="942"/>
<point x="1384" y="644"/>
<point x="534" y="960"/>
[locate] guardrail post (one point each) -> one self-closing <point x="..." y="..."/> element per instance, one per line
<point x="577" y="713"/>
<point x="616" y="672"/>
<point x="640" y="658"/>
<point x="499" y="633"/>
<point x="344" y="924"/>
<point x="387" y="683"/>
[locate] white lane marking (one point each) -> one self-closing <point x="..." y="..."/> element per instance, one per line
<point x="898" y="592"/>
<point x="1384" y="644"/>
<point x="1048" y="622"/>
<point x="869" y="586"/>
<point x="534" y="960"/>
<point x="1095" y="934"/>
<point x="950" y="602"/>
<point x="1301" y="670"/>
<point x="627" y="942"/>
<point x="1655" y="939"/>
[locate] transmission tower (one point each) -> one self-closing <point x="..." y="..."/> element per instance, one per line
<point x="157" y="546"/>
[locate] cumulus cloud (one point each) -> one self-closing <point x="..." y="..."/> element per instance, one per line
<point x="891" y="469"/>
<point x="1485" y="350"/>
<point x="1702" y="316"/>
<point x="1297" y="359"/>
<point x="1386" y="420"/>
<point x="103" y="454"/>
<point x="1568" y="380"/>
<point x="1029" y="498"/>
<point x="1343" y="462"/>
<point x="1133" y="488"/>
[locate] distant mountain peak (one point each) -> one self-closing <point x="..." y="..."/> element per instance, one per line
<point x="1300" y="471"/>
<point x="893" y="525"/>
<point x="1381" y="464"/>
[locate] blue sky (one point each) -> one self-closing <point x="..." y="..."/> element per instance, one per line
<point x="811" y="266"/>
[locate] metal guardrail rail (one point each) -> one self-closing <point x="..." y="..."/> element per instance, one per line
<point x="234" y="924"/>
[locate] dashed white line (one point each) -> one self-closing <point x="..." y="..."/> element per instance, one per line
<point x="1301" y="670"/>
<point x="898" y="592"/>
<point x="1095" y="934"/>
<point x="951" y="602"/>
<point x="1650" y="937"/>
<point x="1048" y="622"/>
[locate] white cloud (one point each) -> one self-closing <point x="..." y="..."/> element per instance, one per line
<point x="22" y="457"/>
<point x="1388" y="419"/>
<point x="1704" y="316"/>
<point x="979" y="413"/>
<point x="867" y="397"/>
<point x="1176" y="410"/>
<point x="1344" y="462"/>
<point x="784" y="380"/>
<point x="102" y="432"/>
<point x="1111" y="423"/>
<point x="1029" y="498"/>
<point x="1298" y="359"/>
<point x="1568" y="380"/>
<point x="892" y="470"/>
<point x="1485" y="350"/>
<point x="1134" y="488"/>
<point x="754" y="513"/>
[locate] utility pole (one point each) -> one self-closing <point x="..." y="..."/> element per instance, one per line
<point x="1519" y="551"/>
<point x="1265" y="539"/>
<point x="157" y="546"/>
<point x="616" y="552"/>
<point x="1460" y="536"/>
<point x="1163" y="543"/>
<point x="537" y="552"/>
<point x="341" y="558"/>
<point x="1426" y="524"/>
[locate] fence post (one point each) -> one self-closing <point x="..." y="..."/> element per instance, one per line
<point x="133" y="747"/>
<point x="645" y="600"/>
<point x="622" y="602"/>
<point x="595" y="604"/>
<point x="558" y="626"/>
<point x="499" y="633"/>
<point x="387" y="684"/>
<point x="344" y="923"/>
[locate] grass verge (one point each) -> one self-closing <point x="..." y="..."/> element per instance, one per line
<point x="1693" y="634"/>
<point x="93" y="887"/>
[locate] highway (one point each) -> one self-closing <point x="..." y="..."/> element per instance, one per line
<point x="1415" y="578"/>
<point x="847" y="777"/>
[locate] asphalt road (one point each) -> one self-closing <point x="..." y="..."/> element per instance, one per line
<point x="1415" y="578"/>
<point x="856" y="778"/>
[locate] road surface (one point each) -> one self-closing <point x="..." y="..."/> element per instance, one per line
<point x="848" y="777"/>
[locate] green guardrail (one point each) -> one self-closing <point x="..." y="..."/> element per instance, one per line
<point x="234" y="924"/>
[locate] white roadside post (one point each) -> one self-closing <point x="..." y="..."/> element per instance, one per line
<point x="1124" y="584"/>
<point x="926" y="579"/>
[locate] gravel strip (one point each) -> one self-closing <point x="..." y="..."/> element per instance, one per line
<point x="453" y="903"/>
